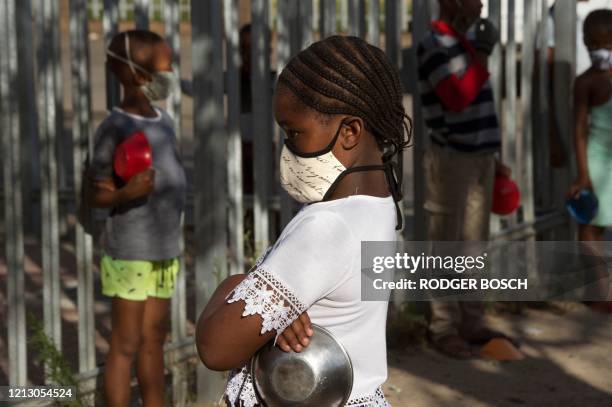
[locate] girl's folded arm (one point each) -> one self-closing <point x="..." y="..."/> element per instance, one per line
<point x="224" y="338"/>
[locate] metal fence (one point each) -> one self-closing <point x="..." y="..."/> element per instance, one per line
<point x="33" y="120"/>
<point x="127" y="9"/>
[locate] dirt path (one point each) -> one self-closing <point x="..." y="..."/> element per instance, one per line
<point x="569" y="363"/>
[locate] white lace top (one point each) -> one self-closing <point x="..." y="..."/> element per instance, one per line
<point x="315" y="266"/>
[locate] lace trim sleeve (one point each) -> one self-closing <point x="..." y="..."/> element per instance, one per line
<point x="266" y="296"/>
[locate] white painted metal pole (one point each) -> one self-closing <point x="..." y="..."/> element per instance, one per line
<point x="82" y="144"/>
<point x="13" y="216"/>
<point x="234" y="151"/>
<point x="210" y="167"/>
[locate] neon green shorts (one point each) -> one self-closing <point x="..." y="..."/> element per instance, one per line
<point x="137" y="279"/>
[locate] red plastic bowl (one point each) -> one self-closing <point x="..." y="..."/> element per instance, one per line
<point x="506" y="196"/>
<point x="132" y="156"/>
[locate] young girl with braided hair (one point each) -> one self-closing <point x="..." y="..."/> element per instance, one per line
<point x="339" y="103"/>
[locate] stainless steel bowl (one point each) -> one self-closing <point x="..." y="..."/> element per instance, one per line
<point x="320" y="375"/>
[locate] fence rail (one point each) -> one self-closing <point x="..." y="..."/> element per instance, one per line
<point x="128" y="9"/>
<point x="32" y="120"/>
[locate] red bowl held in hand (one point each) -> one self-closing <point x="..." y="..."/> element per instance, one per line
<point x="506" y="196"/>
<point x="132" y="156"/>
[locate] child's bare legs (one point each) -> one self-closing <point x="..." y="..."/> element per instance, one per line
<point x="150" y="367"/>
<point x="139" y="328"/>
<point x="590" y="233"/>
<point x="127" y="317"/>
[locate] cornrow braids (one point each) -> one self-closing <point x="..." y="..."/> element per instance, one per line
<point x="346" y="75"/>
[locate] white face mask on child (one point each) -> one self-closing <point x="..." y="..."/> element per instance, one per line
<point x="308" y="177"/>
<point x="601" y="58"/>
<point x="162" y="84"/>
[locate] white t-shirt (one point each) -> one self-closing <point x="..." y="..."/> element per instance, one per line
<point x="315" y="266"/>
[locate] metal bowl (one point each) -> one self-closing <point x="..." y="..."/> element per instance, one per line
<point x="320" y="375"/>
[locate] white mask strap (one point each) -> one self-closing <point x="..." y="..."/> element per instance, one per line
<point x="127" y="52"/>
<point x="127" y="61"/>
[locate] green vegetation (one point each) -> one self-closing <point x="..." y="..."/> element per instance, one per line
<point x="56" y="367"/>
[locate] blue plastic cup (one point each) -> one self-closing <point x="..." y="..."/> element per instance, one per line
<point x="584" y="207"/>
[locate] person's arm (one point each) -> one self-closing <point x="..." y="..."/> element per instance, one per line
<point x="100" y="190"/>
<point x="245" y="312"/>
<point x="100" y="194"/>
<point x="455" y="92"/>
<point x="581" y="120"/>
<point x="224" y="338"/>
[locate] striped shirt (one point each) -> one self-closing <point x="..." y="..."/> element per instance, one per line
<point x="456" y="93"/>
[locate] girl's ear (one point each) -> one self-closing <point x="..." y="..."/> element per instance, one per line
<point x="351" y="132"/>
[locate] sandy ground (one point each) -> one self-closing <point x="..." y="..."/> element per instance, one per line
<point x="568" y="364"/>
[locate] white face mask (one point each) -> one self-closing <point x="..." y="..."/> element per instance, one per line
<point x="311" y="177"/>
<point x="162" y="84"/>
<point x="308" y="177"/>
<point x="601" y="58"/>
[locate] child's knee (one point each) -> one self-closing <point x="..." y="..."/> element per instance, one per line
<point x="155" y="334"/>
<point x="128" y="346"/>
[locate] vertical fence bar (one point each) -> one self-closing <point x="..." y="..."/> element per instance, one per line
<point x="393" y="32"/>
<point x="374" y="22"/>
<point x="210" y="167"/>
<point x="110" y="23"/>
<point x="403" y="15"/>
<point x="542" y="148"/>
<point x="509" y="128"/>
<point x="495" y="60"/>
<point x="262" y="121"/>
<point x="526" y="158"/>
<point x="344" y="14"/>
<point x="327" y="21"/>
<point x="141" y="14"/>
<point x="526" y="149"/>
<point x="393" y="49"/>
<point x="49" y="190"/>
<point x="420" y="141"/>
<point x="306" y="24"/>
<point x="9" y="119"/>
<point x="234" y="151"/>
<point x="565" y="72"/>
<point x="82" y="144"/>
<point x="286" y="47"/>
<point x="172" y="24"/>
<point x="495" y="68"/>
<point x="295" y="29"/>
<point x="123" y="10"/>
<point x="28" y="122"/>
<point x="58" y="84"/>
<point x="356" y="11"/>
<point x="96" y="9"/>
